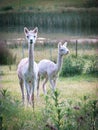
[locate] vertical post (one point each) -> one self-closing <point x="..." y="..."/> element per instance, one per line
<point x="50" y="52"/>
<point x="0" y="122"/>
<point x="22" y="50"/>
<point x="76" y="48"/>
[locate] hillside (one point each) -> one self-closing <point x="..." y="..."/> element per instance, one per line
<point x="44" y="5"/>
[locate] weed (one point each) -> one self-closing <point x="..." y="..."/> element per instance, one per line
<point x="93" y="66"/>
<point x="67" y="115"/>
<point x="54" y="111"/>
<point x="72" y="66"/>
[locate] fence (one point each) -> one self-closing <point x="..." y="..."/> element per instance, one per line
<point x="49" y="46"/>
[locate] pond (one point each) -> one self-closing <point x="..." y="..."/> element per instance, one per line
<point x="61" y="25"/>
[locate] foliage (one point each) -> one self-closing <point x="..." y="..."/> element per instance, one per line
<point x="7" y="8"/>
<point x="91" y="3"/>
<point x="54" y="110"/>
<point x="9" y="111"/>
<point x="81" y="115"/>
<point x="58" y="114"/>
<point x="93" y="66"/>
<point x="72" y="66"/>
<point x="6" y="57"/>
<point x="45" y="5"/>
<point x="14" y="116"/>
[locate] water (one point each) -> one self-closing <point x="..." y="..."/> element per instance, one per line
<point x="56" y="25"/>
<point x="17" y="32"/>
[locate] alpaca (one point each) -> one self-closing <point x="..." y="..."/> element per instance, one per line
<point x="49" y="69"/>
<point x="28" y="69"/>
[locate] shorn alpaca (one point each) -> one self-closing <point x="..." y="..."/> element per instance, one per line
<point x="49" y="69"/>
<point x="28" y="69"/>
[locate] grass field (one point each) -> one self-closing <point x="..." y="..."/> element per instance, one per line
<point x="77" y="106"/>
<point x="72" y="89"/>
<point x="80" y="91"/>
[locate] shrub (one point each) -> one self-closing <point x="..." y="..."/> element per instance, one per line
<point x="6" y="58"/>
<point x="93" y="66"/>
<point x="72" y="66"/>
<point x="69" y="115"/>
<point x="7" y="8"/>
<point x="54" y="111"/>
<point x="91" y="3"/>
<point x="9" y="110"/>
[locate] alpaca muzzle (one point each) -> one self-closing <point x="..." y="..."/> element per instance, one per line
<point x="68" y="52"/>
<point x="31" y="41"/>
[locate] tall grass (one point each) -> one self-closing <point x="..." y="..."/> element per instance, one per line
<point x="56" y="114"/>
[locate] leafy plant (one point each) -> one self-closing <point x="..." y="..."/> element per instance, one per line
<point x="6" y="56"/>
<point x="72" y="66"/>
<point x="69" y="115"/>
<point x="54" y="111"/>
<point x="91" y="3"/>
<point x="7" y="8"/>
<point x="93" y="66"/>
<point x="9" y="110"/>
<point x="60" y="114"/>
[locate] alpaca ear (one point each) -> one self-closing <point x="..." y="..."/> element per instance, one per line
<point x="35" y="30"/>
<point x="26" y="30"/>
<point x="59" y="44"/>
<point x="65" y="44"/>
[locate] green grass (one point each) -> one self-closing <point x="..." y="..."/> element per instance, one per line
<point x="77" y="85"/>
<point x="15" y="116"/>
<point x="72" y="89"/>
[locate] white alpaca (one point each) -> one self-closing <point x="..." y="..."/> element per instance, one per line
<point x="27" y="68"/>
<point x="49" y="69"/>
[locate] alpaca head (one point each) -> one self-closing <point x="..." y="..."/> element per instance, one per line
<point x="31" y="35"/>
<point x="63" y="50"/>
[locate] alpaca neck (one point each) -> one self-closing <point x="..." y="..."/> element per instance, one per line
<point x="59" y="62"/>
<point x="31" y="58"/>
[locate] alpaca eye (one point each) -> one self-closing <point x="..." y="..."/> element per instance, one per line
<point x="34" y="36"/>
<point x="27" y="36"/>
<point x="61" y="49"/>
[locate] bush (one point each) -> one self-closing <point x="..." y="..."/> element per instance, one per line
<point x="72" y="66"/>
<point x="70" y="115"/>
<point x="93" y="66"/>
<point x="6" y="58"/>
<point x="91" y="3"/>
<point x="7" y="8"/>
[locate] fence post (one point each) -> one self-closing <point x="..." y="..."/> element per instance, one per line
<point x="0" y="122"/>
<point x="76" y="48"/>
<point x="22" y="50"/>
<point x="50" y="52"/>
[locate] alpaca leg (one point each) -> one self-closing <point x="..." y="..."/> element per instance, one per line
<point x="32" y="94"/>
<point x="38" y="81"/>
<point x="52" y="83"/>
<point x="27" y="91"/>
<point x="32" y="100"/>
<point x="44" y="87"/>
<point x="22" y="89"/>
